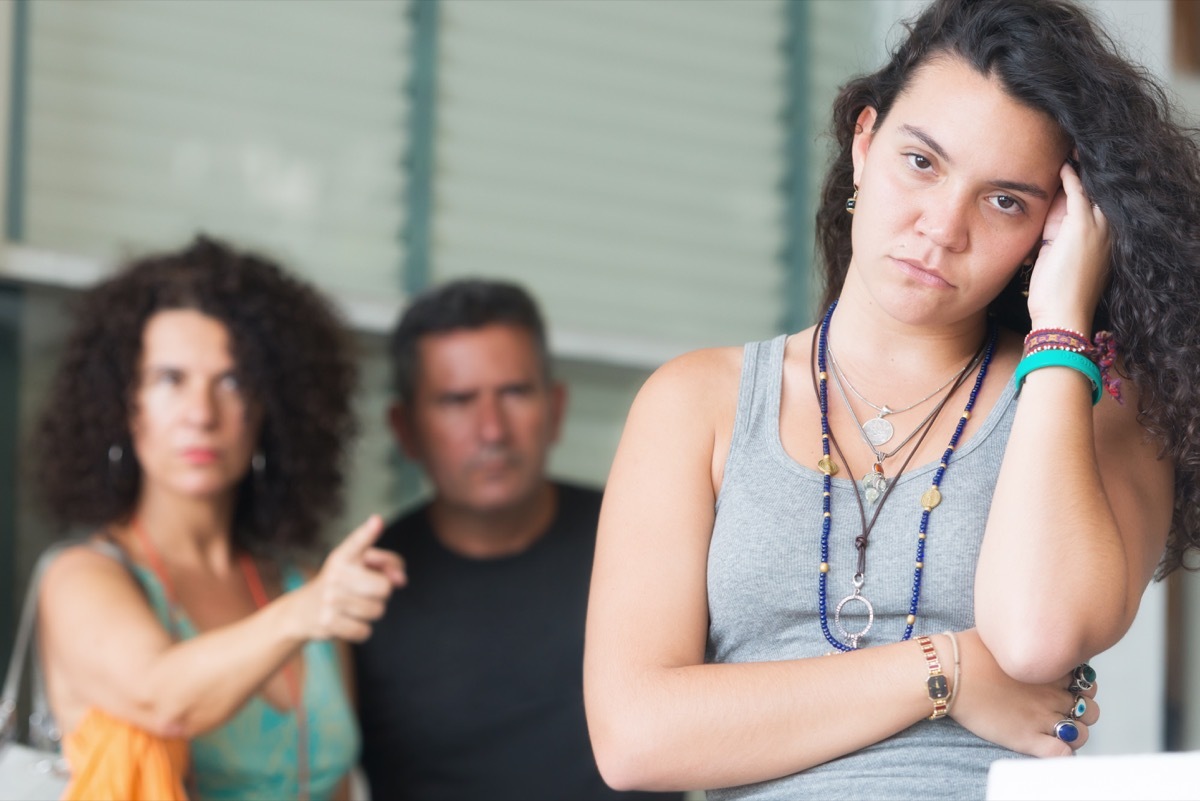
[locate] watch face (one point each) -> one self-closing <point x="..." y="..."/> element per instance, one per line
<point x="938" y="687"/>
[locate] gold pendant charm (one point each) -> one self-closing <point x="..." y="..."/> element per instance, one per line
<point x="827" y="465"/>
<point x="930" y="499"/>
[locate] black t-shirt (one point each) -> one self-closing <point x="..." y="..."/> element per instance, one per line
<point x="471" y="685"/>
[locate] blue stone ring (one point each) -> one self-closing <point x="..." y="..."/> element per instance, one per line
<point x="1079" y="709"/>
<point x="1066" y="730"/>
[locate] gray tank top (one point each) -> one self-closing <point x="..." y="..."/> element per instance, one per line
<point x="762" y="582"/>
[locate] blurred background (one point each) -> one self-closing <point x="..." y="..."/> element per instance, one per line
<point x="647" y="168"/>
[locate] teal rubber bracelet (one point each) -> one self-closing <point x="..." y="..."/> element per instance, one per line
<point x="1055" y="357"/>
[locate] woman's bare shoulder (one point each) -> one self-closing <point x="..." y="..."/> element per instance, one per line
<point x="708" y="370"/>
<point x="84" y="572"/>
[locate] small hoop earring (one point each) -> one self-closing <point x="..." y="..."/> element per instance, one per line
<point x="852" y="201"/>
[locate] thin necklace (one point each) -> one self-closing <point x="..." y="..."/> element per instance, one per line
<point x="879" y="430"/>
<point x="290" y="674"/>
<point x="862" y="540"/>
<point x="875" y="482"/>
<point x="929" y="500"/>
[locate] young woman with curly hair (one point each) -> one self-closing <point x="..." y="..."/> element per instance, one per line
<point x="197" y="425"/>
<point x="867" y="559"/>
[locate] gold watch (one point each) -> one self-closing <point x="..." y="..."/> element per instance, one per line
<point x="936" y="684"/>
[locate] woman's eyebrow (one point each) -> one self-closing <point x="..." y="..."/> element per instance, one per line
<point x="999" y="183"/>
<point x="1018" y="186"/>
<point x="929" y="141"/>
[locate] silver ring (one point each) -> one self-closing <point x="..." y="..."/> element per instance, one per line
<point x="1084" y="678"/>
<point x="1066" y="730"/>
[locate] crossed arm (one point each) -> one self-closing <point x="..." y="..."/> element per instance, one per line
<point x="662" y="719"/>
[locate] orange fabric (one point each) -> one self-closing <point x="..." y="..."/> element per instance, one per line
<point x="111" y="759"/>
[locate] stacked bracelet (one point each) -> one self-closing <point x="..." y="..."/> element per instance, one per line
<point x="1102" y="351"/>
<point x="1056" y="357"/>
<point x="1041" y="339"/>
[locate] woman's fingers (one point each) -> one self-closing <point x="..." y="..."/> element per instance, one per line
<point x="355" y="583"/>
<point x="357" y="542"/>
<point x="1078" y="202"/>
<point x="388" y="563"/>
<point x="1072" y="264"/>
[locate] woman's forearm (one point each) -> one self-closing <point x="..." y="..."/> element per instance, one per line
<point x="1064" y="561"/>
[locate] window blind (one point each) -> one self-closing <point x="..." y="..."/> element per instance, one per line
<point x="622" y="160"/>
<point x="279" y="125"/>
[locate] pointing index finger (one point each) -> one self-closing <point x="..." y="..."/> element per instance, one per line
<point x="358" y="541"/>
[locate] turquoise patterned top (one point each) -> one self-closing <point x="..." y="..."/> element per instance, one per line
<point x="254" y="754"/>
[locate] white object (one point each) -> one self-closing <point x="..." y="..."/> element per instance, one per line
<point x="29" y="774"/>
<point x="1120" y="778"/>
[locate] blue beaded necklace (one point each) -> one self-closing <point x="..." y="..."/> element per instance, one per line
<point x="929" y="499"/>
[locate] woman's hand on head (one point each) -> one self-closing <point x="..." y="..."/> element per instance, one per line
<point x="1072" y="265"/>
<point x="352" y="588"/>
<point x="1020" y="717"/>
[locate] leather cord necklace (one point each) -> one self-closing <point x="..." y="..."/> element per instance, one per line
<point x="930" y="499"/>
<point x="879" y="430"/>
<point x="861" y="541"/>
<point x="875" y="482"/>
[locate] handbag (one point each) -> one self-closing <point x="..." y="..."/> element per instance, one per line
<point x="33" y="770"/>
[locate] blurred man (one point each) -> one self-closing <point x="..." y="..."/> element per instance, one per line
<point x="471" y="685"/>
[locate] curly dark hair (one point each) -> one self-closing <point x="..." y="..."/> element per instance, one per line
<point x="462" y="303"/>
<point x="1136" y="162"/>
<point x="292" y="356"/>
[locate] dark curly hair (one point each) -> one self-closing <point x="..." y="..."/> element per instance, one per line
<point x="292" y="356"/>
<point x="1139" y="165"/>
<point x="463" y="303"/>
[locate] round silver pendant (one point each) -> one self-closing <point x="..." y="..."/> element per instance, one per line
<point x="878" y="430"/>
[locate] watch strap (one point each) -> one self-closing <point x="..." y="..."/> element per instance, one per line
<point x="936" y="684"/>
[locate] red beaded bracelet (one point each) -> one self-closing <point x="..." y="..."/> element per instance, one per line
<point x="1041" y="339"/>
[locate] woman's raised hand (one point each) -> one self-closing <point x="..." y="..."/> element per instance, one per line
<point x="1072" y="265"/>
<point x="352" y="588"/>
<point x="1020" y="717"/>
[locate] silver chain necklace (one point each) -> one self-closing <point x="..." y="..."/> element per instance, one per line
<point x="879" y="430"/>
<point x="874" y="484"/>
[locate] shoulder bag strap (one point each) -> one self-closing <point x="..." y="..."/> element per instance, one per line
<point x="25" y="639"/>
<point x="43" y="730"/>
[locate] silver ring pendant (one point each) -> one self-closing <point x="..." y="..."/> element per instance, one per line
<point x="853" y="638"/>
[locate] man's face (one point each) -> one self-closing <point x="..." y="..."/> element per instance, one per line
<point x="482" y="417"/>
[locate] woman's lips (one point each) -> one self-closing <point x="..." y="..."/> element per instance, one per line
<point x="199" y="455"/>
<point x="921" y="273"/>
